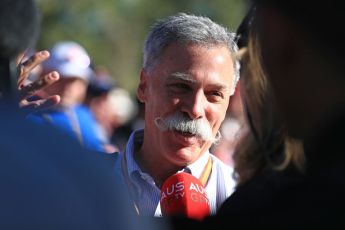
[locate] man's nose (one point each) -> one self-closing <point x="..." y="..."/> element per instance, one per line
<point x="195" y="105"/>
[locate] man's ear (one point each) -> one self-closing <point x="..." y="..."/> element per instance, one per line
<point x="142" y="88"/>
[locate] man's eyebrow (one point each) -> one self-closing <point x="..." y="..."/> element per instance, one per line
<point x="188" y="78"/>
<point x="182" y="76"/>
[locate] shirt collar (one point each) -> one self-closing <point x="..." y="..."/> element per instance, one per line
<point x="198" y="166"/>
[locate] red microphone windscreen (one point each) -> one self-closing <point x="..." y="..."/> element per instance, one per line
<point x="183" y="194"/>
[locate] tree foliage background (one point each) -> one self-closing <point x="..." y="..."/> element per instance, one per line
<point x="113" y="31"/>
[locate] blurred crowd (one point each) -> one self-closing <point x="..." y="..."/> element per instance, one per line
<point x="92" y="106"/>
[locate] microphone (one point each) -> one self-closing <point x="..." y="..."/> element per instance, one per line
<point x="184" y="195"/>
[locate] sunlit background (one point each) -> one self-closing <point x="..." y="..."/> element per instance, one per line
<point x="113" y="31"/>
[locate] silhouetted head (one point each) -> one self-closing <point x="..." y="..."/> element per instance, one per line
<point x="302" y="51"/>
<point x="19" y="28"/>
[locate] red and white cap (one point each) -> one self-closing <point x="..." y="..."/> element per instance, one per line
<point x="69" y="59"/>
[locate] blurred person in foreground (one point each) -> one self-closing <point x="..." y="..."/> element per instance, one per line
<point x="47" y="180"/>
<point x="187" y="78"/>
<point x="72" y="62"/>
<point x="267" y="148"/>
<point x="304" y="72"/>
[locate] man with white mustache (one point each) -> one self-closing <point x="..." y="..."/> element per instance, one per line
<point x="187" y="78"/>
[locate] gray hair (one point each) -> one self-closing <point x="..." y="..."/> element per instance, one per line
<point x="183" y="28"/>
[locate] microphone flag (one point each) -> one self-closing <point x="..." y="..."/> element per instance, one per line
<point x="183" y="194"/>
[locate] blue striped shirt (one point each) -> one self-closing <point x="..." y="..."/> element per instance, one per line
<point x="146" y="194"/>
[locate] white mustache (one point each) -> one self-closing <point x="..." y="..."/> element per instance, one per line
<point x="181" y="123"/>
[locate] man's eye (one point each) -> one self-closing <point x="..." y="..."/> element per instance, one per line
<point x="215" y="96"/>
